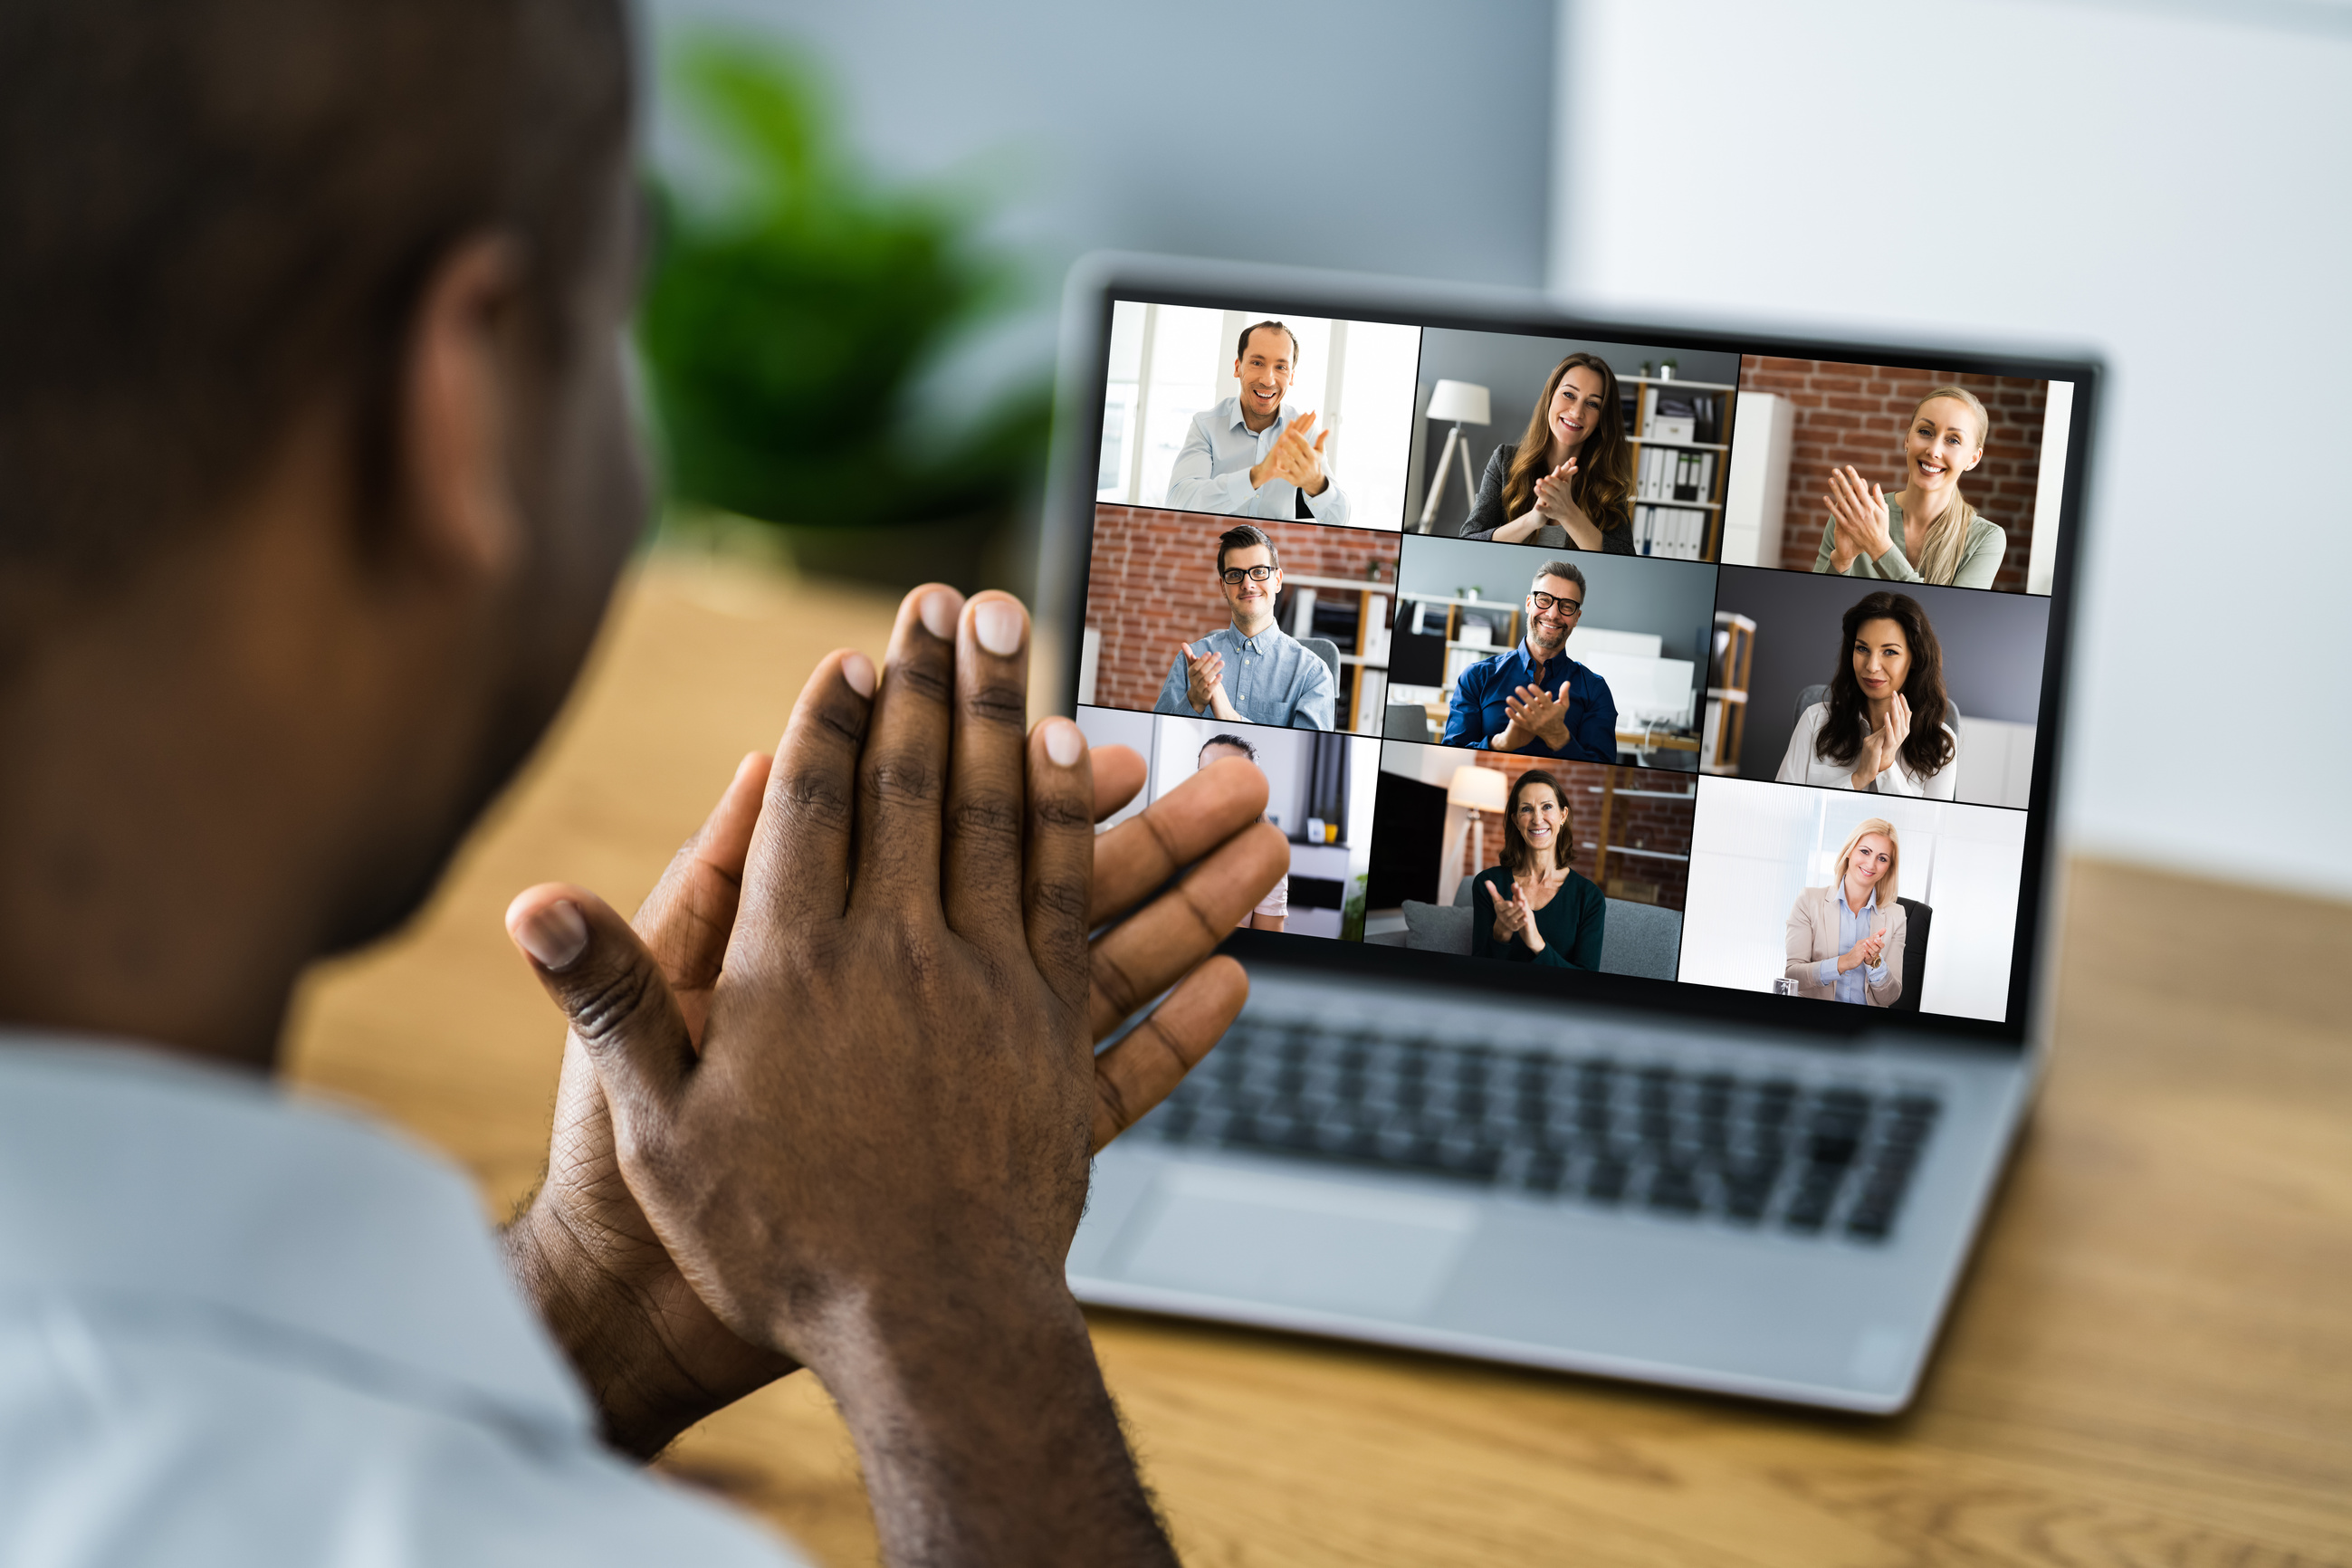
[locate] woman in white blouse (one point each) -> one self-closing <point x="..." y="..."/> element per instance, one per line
<point x="1886" y="724"/>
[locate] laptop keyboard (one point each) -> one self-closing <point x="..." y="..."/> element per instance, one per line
<point x="1810" y="1159"/>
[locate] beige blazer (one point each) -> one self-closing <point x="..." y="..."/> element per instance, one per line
<point x="1813" y="936"/>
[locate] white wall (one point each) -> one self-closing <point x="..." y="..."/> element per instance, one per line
<point x="2164" y="184"/>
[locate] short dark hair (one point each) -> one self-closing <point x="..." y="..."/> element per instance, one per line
<point x="1562" y="569"/>
<point x="218" y="212"/>
<point x="1244" y="537"/>
<point x="1235" y="741"/>
<point x="1241" y="349"/>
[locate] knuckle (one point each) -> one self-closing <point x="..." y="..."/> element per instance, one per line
<point x="994" y="820"/>
<point x="924" y="676"/>
<point x="1061" y="813"/>
<point x="607" y="1006"/>
<point x="1064" y="899"/>
<point x="902" y="781"/>
<point x="814" y="801"/>
<point x="998" y="702"/>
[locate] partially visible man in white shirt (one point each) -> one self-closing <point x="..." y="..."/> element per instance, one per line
<point x="320" y="472"/>
<point x="1253" y="455"/>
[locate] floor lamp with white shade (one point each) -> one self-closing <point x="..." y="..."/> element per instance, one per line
<point x="1464" y="403"/>
<point x="1473" y="789"/>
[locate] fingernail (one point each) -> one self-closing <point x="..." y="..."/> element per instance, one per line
<point x="939" y="608"/>
<point x="555" y="935"/>
<point x="858" y="670"/>
<point x="1064" y="743"/>
<point x="997" y="623"/>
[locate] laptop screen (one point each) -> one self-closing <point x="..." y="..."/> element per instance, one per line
<point x="1678" y="671"/>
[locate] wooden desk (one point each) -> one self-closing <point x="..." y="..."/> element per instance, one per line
<point x="2151" y="1362"/>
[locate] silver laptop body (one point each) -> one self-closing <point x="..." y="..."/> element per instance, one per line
<point x="1719" y="1187"/>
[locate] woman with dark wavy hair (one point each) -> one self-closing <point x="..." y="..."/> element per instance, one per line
<point x="1887" y="724"/>
<point x="1533" y="908"/>
<point x="1568" y="483"/>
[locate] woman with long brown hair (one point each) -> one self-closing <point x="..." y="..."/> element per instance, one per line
<point x="1886" y="725"/>
<point x="1568" y="483"/>
<point x="1533" y="908"/>
<point x="1928" y="532"/>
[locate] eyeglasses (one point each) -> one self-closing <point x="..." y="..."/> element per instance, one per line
<point x="1571" y="609"/>
<point x="1254" y="573"/>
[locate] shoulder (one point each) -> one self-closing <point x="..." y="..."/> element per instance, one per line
<point x="1813" y="718"/>
<point x="1983" y="530"/>
<point x="1810" y="901"/>
<point x="1498" y="463"/>
<point x="1496" y="876"/>
<point x="1218" y="415"/>
<point x="1585" y="890"/>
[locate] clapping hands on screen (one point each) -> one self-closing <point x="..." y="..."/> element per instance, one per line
<point x="1295" y="458"/>
<point x="1883" y="747"/>
<point x="1514" y="917"/>
<point x="1535" y="714"/>
<point x="1866" y="953"/>
<point x="1862" y="525"/>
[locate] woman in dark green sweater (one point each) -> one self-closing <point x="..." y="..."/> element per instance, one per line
<point x="1532" y="909"/>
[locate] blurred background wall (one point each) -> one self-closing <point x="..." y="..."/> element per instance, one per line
<point x="2160" y="181"/>
<point x="2163" y="182"/>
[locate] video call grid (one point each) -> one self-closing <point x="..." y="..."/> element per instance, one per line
<point x="1390" y="575"/>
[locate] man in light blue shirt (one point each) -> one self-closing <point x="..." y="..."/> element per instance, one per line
<point x="1253" y="454"/>
<point x="1250" y="672"/>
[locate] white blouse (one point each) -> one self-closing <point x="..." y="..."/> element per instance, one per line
<point x="1800" y="765"/>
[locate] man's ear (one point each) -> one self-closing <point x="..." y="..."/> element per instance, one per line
<point x="458" y="395"/>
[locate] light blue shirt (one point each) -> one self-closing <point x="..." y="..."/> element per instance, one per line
<point x="1852" y="927"/>
<point x="241" y="1331"/>
<point x="1270" y="678"/>
<point x="1211" y="471"/>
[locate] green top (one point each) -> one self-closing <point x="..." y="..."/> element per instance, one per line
<point x="1571" y="923"/>
<point x="1980" y="553"/>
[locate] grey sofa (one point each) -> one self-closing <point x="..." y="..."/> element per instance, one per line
<point x="1640" y="939"/>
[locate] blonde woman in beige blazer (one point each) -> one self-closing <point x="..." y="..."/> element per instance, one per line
<point x="1846" y="941"/>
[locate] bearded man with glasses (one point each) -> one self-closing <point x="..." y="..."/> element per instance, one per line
<point x="1250" y="672"/>
<point x="1534" y="698"/>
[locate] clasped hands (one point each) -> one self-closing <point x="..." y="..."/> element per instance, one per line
<point x="1554" y="501"/>
<point x="1883" y="747"/>
<point x="1534" y="714"/>
<point x="1204" y="682"/>
<point x="1514" y="917"/>
<point x="1864" y="954"/>
<point x="837" y="1085"/>
<point x="1294" y="457"/>
<point x="1861" y="524"/>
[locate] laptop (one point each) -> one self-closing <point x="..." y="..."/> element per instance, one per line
<point x="1665" y="721"/>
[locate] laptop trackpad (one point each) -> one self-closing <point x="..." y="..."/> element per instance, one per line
<point x="1286" y="1241"/>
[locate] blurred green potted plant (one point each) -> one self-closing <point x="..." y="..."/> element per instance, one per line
<point x="795" y="305"/>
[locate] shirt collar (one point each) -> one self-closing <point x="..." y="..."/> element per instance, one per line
<point x="132" y="1176"/>
<point x="1281" y="416"/>
<point x="1261" y="644"/>
<point x="1528" y="657"/>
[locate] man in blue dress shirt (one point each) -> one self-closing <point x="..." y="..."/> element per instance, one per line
<point x="1535" y="699"/>
<point x="1255" y="456"/>
<point x="1251" y="671"/>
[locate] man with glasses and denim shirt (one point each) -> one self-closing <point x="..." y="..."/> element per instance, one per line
<point x="1250" y="672"/>
<point x="1535" y="699"/>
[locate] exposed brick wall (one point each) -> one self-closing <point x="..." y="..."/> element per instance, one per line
<point x="1648" y="824"/>
<point x="1151" y="584"/>
<point x="1857" y="412"/>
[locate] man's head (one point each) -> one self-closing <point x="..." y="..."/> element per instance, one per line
<point x="1249" y="575"/>
<point x="1555" y="603"/>
<point x="1217" y="748"/>
<point x="318" y="464"/>
<point x="1264" y="362"/>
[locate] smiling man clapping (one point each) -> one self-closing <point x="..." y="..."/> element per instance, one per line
<point x="1253" y="454"/>
<point x="1249" y="671"/>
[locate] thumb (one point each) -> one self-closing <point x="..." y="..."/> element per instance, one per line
<point x="1320" y="439"/>
<point x="612" y="994"/>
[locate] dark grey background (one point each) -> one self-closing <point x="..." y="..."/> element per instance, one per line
<point x="1992" y="646"/>
<point x="1674" y="599"/>
<point x="1513" y="368"/>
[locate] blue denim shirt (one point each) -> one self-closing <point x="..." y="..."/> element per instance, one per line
<point x="1270" y="678"/>
<point x="1854" y="984"/>
<point x="1477" y="715"/>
